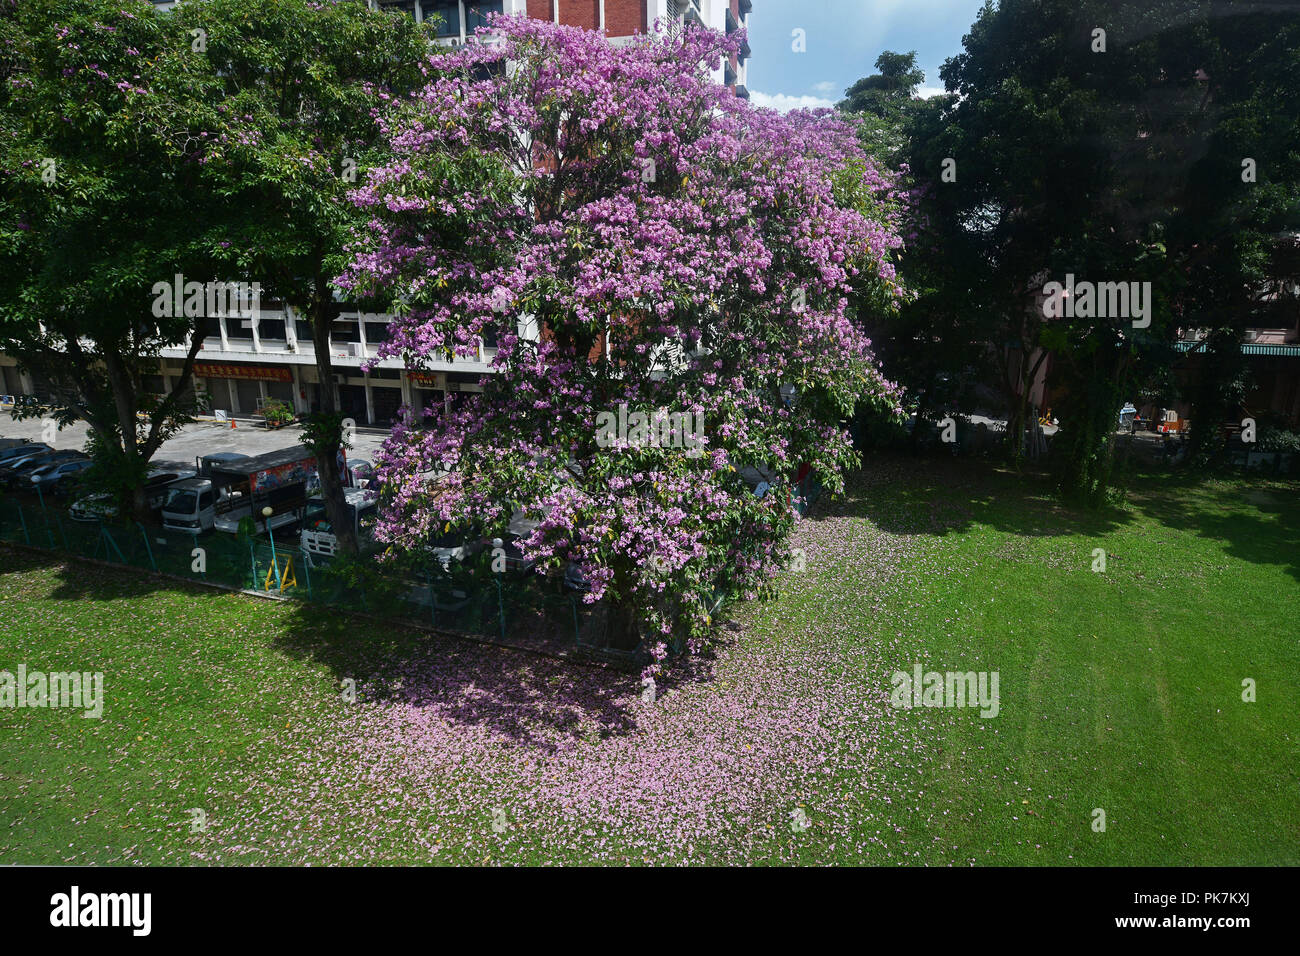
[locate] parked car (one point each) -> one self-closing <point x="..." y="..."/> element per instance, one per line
<point x="102" y="507"/>
<point x="15" y="471"/>
<point x="50" y="478"/>
<point x="11" y="449"/>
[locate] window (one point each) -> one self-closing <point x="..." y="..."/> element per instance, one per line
<point x="345" y="330"/>
<point x="448" y="14"/>
<point x="477" y="11"/>
<point x="239" y="328"/>
<point x="271" y="329"/>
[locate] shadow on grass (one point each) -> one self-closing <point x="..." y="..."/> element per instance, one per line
<point x="906" y="495"/>
<point x="1257" y="519"/>
<point x="524" y="697"/>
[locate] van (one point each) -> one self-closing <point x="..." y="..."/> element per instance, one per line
<point x="102" y="506"/>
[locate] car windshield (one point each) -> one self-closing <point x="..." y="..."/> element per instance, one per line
<point x="180" y="501"/>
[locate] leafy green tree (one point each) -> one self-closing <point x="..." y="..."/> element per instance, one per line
<point x="100" y="197"/>
<point x="1237" y="231"/>
<point x="218" y="141"/>
<point x="299" y="86"/>
<point x="881" y="103"/>
<point x="1075" y="143"/>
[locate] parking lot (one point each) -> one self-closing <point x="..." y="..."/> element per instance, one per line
<point x="249" y="437"/>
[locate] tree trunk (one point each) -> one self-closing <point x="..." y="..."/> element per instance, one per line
<point x="331" y="484"/>
<point x="922" y="407"/>
<point x="124" y="400"/>
<point x="621" y="631"/>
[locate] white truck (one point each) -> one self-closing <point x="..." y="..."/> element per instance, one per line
<point x="230" y="488"/>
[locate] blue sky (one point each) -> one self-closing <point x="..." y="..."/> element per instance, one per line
<point x="844" y="37"/>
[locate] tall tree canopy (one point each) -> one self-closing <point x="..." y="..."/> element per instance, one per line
<point x="100" y="197"/>
<point x="302" y="83"/>
<point x="1090" y="139"/>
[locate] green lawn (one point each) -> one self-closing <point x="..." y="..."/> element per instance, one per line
<point x="1119" y="690"/>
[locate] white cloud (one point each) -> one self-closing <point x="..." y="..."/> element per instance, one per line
<point x="825" y="86"/>
<point x="783" y="103"/>
<point x="925" y="92"/>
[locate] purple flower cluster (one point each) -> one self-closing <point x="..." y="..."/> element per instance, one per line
<point x="628" y="232"/>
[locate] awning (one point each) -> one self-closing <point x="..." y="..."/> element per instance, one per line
<point x="1247" y="348"/>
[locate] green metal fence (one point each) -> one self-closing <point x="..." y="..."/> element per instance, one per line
<point x="511" y="607"/>
<point x="515" y="607"/>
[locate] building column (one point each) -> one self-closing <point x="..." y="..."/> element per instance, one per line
<point x="300" y="405"/>
<point x="370" y="404"/>
<point x="290" y="329"/>
<point x="225" y="338"/>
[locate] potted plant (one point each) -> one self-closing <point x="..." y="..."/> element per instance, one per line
<point x="277" y="413"/>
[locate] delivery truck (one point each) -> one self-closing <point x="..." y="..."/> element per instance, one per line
<point x="230" y="488"/>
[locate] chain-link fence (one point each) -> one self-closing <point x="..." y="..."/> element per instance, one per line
<point x="515" y="607"/>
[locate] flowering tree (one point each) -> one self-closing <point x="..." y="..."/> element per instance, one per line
<point x="637" y="241"/>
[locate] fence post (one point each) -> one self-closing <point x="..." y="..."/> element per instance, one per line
<point x="306" y="569"/>
<point x="501" y="609"/>
<point x="23" y="518"/>
<point x="45" y="516"/>
<point x="107" y="538"/>
<point x="62" y="534"/>
<point x="147" y="546"/>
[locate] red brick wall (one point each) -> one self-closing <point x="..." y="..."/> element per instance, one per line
<point x="626" y="17"/>
<point x="580" y="13"/>
<point x="622" y="17"/>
